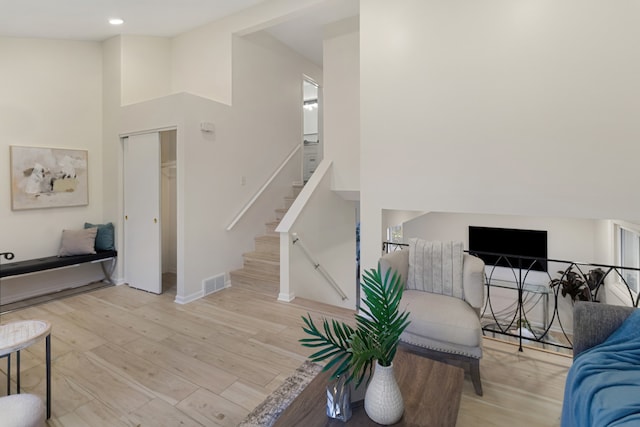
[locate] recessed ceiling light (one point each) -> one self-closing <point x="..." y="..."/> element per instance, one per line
<point x="116" y="21"/>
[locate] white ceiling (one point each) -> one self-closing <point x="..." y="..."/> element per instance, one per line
<point x="87" y="19"/>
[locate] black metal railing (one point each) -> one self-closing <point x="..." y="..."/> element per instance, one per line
<point x="543" y="284"/>
<point x="393" y="246"/>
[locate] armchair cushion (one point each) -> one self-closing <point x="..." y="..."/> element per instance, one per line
<point x="434" y="325"/>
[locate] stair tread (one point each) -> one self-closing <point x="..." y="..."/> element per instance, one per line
<point x="243" y="273"/>
<point x="263" y="256"/>
<point x="269" y="237"/>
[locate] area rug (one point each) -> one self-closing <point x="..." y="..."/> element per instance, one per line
<point x="266" y="414"/>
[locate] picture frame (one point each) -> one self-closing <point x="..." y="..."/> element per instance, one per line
<point x="48" y="177"/>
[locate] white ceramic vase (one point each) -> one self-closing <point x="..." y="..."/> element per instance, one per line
<point x="383" y="401"/>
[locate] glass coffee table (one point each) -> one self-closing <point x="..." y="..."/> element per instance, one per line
<point x="16" y="336"/>
<point x="431" y="391"/>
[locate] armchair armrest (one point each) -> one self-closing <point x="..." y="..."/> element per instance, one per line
<point x="594" y="322"/>
<point x="398" y="261"/>
<point x="473" y="280"/>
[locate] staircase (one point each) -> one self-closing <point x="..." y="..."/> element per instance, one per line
<point x="261" y="269"/>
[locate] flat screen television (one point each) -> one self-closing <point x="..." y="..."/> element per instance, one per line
<point x="509" y="241"/>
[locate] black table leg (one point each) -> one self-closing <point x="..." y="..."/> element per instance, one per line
<point x="8" y="356"/>
<point x="48" y="363"/>
<point x="18" y="372"/>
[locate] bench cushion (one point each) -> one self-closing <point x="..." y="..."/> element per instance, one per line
<point x="48" y="263"/>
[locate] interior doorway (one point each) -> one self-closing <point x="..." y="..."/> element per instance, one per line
<point x="312" y="126"/>
<point x="168" y="210"/>
<point x="150" y="207"/>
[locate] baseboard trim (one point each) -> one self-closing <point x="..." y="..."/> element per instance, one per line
<point x="285" y="297"/>
<point x="189" y="298"/>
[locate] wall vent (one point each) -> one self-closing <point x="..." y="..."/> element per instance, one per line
<point x="213" y="284"/>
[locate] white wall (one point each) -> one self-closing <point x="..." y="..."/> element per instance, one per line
<point x="326" y="227"/>
<point x="341" y="68"/>
<point x="51" y="97"/>
<point x="202" y="58"/>
<point x="250" y="140"/>
<point x="145" y="69"/>
<point x="500" y="107"/>
<point x="111" y="146"/>
<point x="567" y="239"/>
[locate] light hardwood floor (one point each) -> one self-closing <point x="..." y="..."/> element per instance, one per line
<point x="123" y="357"/>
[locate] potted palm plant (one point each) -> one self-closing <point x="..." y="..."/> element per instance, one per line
<point x="352" y="352"/>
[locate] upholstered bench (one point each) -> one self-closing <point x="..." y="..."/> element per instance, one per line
<point x="52" y="262"/>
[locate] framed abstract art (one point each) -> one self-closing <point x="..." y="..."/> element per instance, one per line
<point x="48" y="178"/>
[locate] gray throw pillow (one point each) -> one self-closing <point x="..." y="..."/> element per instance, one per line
<point x="78" y="242"/>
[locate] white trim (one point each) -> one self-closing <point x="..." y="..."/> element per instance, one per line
<point x="142" y="132"/>
<point x="286" y="297"/>
<point x="189" y="298"/>
<point x="298" y="204"/>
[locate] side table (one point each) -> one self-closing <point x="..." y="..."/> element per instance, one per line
<point x="16" y="336"/>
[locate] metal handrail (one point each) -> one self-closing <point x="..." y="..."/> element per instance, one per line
<point x="318" y="267"/>
<point x="261" y="190"/>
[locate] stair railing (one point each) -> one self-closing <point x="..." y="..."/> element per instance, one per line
<point x="261" y="190"/>
<point x="296" y="242"/>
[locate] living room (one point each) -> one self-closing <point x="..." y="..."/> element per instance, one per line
<point x="503" y="108"/>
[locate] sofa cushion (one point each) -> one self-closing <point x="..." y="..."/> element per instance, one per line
<point x="432" y="316"/>
<point x="603" y="384"/>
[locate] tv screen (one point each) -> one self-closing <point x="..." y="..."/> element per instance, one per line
<point x="509" y="241"/>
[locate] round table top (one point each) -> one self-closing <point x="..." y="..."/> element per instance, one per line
<point x="21" y="334"/>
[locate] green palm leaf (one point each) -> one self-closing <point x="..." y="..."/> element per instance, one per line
<point x="379" y="324"/>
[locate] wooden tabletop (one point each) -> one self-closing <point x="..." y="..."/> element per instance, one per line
<point x="431" y="391"/>
<point x="15" y="336"/>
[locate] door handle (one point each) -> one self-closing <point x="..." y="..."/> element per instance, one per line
<point x="126" y="217"/>
<point x="155" y="220"/>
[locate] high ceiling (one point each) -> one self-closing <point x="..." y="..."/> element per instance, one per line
<point x="87" y="19"/>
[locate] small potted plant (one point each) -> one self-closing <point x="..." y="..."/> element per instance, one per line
<point x="579" y="287"/>
<point x="352" y="352"/>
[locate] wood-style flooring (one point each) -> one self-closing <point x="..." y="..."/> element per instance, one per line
<point x="123" y="357"/>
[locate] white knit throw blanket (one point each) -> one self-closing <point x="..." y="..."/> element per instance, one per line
<point x="435" y="267"/>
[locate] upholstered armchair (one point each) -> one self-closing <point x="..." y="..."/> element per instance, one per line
<point x="444" y="293"/>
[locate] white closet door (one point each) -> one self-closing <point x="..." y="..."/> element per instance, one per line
<point x="142" y="245"/>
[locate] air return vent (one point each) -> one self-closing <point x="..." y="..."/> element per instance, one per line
<point x="213" y="284"/>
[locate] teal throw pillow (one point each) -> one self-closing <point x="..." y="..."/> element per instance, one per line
<point x="105" y="240"/>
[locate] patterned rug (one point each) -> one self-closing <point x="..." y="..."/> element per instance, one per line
<point x="270" y="409"/>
